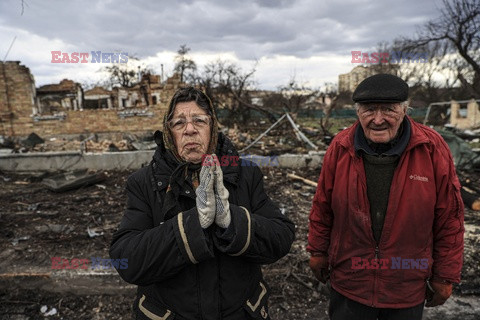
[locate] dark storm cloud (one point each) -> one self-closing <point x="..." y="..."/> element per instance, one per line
<point x="252" y="30"/>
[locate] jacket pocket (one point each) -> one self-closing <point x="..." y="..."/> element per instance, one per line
<point x="257" y="305"/>
<point x="148" y="310"/>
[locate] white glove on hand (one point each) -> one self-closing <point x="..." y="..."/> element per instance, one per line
<point x="222" y="216"/>
<point x="206" y="197"/>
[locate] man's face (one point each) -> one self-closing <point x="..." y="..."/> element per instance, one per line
<point x="190" y="128"/>
<point x="381" y="121"/>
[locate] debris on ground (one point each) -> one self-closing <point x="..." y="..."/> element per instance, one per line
<point x="144" y="145"/>
<point x="286" y="136"/>
<point x="32" y="140"/>
<point x="463" y="155"/>
<point x="72" y="180"/>
<point x="44" y="224"/>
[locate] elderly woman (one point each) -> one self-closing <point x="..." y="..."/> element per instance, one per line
<point x="195" y="236"/>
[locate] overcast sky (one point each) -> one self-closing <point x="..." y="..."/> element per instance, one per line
<point x="310" y="40"/>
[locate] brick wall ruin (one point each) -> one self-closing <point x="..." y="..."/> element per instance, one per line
<point x="19" y="109"/>
<point x="100" y="121"/>
<point x="17" y="99"/>
<point x="470" y="118"/>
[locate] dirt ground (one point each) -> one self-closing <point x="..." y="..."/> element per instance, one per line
<point x="37" y="224"/>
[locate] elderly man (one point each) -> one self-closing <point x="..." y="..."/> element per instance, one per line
<point x="195" y="236"/>
<point x="386" y="225"/>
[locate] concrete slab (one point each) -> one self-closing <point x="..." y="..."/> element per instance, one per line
<point x="66" y="161"/>
<point x="128" y="160"/>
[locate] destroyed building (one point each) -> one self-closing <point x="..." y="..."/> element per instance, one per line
<point x="54" y="99"/>
<point x="65" y="108"/>
<point x="347" y="82"/>
<point x="98" y="98"/>
<point x="149" y="91"/>
<point x="17" y="98"/>
<point x="464" y="114"/>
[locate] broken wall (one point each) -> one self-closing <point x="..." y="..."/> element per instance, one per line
<point x="17" y="99"/>
<point x="54" y="99"/>
<point x="471" y="119"/>
<point x="98" y="121"/>
<point x="19" y="113"/>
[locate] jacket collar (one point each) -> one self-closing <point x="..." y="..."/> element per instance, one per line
<point x="417" y="136"/>
<point x="396" y="147"/>
<point x="166" y="163"/>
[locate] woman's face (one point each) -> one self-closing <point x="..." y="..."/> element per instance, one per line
<point x="190" y="128"/>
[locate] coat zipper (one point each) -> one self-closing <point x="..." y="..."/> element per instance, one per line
<point x="377" y="251"/>
<point x="219" y="289"/>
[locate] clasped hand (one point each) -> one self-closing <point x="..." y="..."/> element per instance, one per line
<point x="212" y="196"/>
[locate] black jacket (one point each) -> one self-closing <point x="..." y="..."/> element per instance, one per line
<point x="185" y="272"/>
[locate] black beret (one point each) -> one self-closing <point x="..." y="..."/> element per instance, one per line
<point x="381" y="88"/>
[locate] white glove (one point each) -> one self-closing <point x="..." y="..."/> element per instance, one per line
<point x="222" y="215"/>
<point x="206" y="197"/>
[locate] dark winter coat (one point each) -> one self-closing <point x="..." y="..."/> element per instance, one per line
<point x="185" y="272"/>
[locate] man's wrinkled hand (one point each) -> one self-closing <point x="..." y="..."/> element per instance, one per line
<point x="206" y="196"/>
<point x="441" y="293"/>
<point x="319" y="266"/>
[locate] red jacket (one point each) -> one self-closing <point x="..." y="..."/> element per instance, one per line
<point x="422" y="235"/>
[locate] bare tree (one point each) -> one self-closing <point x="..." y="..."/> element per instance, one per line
<point x="293" y="97"/>
<point x="24" y="3"/>
<point x="455" y="38"/>
<point x="296" y="96"/>
<point x="330" y="97"/>
<point x="125" y="74"/>
<point x="184" y="65"/>
<point x="228" y="85"/>
<point x="416" y="65"/>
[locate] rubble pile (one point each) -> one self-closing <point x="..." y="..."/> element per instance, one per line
<point x="93" y="143"/>
<point x="280" y="140"/>
<point x="37" y="224"/>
